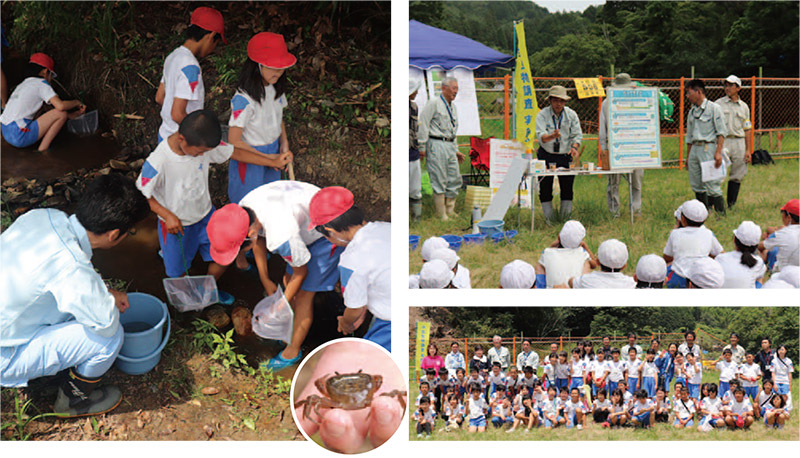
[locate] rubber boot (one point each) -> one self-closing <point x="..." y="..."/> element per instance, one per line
<point x="733" y="192"/>
<point x="719" y="204"/>
<point x="439" y="206"/>
<point x="450" y="205"/>
<point x="547" y="209"/>
<point x="80" y="396"/>
<point x="416" y="209"/>
<point x="566" y="209"/>
<point x="702" y="197"/>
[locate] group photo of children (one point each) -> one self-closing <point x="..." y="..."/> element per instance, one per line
<point x="603" y="384"/>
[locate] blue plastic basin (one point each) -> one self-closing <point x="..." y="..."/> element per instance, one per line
<point x="454" y="241"/>
<point x="500" y="236"/>
<point x="413" y="241"/>
<point x="476" y="239"/>
<point x="490" y="226"/>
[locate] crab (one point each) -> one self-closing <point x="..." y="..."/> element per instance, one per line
<point x="352" y="391"/>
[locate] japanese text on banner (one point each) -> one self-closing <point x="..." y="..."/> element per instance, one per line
<point x="423" y="337"/>
<point x="527" y="106"/>
<point x="589" y="87"/>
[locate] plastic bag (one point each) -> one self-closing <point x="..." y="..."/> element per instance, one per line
<point x="273" y="317"/>
<point x="85" y="124"/>
<point x="191" y="293"/>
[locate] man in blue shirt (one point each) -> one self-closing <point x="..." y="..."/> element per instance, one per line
<point x="56" y="314"/>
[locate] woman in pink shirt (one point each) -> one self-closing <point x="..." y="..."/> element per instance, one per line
<point x="433" y="360"/>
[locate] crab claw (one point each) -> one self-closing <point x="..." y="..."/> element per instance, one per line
<point x="399" y="395"/>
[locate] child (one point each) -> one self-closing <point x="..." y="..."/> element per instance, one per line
<point x="568" y="256"/>
<point x="480" y="361"/>
<point x="727" y="370"/>
<point x="739" y="414"/>
<point x="174" y="178"/>
<point x="19" y="127"/>
<point x="574" y="411"/>
<point x="627" y="396"/>
<point x="474" y="379"/>
<point x="476" y="410"/>
<point x="425" y="416"/>
<point x="617" y="370"/>
<point x="496" y="379"/>
<point x="502" y="413"/>
<point x="694" y="375"/>
<point x="678" y="386"/>
<point x="613" y="257"/>
<point x="651" y="271"/>
<point x="727" y="397"/>
<point x="551" y="410"/>
<point x="600" y="369"/>
<point x="181" y="90"/>
<point x="764" y="398"/>
<point x="782" y="369"/>
<point x="680" y="370"/>
<point x="424" y="393"/>
<point x="497" y="397"/>
<point x="688" y="242"/>
<point x="663" y="406"/>
<point x="459" y="382"/>
<point x="711" y="410"/>
<point x="576" y="369"/>
<point x="749" y="374"/>
<point x="601" y="408"/>
<point x="618" y="415"/>
<point x="643" y="411"/>
<point x="779" y="245"/>
<point x="634" y="365"/>
<point x="454" y="412"/>
<point x="526" y="414"/>
<point x="442" y="385"/>
<point x="776" y="413"/>
<point x="460" y="273"/>
<point x="561" y="371"/>
<point x="684" y="410"/>
<point x="513" y="381"/>
<point x="648" y="374"/>
<point x="528" y="378"/>
<point x="256" y="121"/>
<point x="430" y="377"/>
<point x="743" y="267"/>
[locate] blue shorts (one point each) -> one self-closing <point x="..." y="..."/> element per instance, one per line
<point x="649" y="385"/>
<point x="724" y="387"/>
<point x="561" y="383"/>
<point x="381" y="333"/>
<point x="632" y="385"/>
<point x="772" y="255"/>
<point x="179" y="250"/>
<point x="751" y="391"/>
<point x="21" y="138"/>
<point x="243" y="177"/>
<point x="611" y="386"/>
<point x="694" y="390"/>
<point x="550" y="424"/>
<point x="643" y="419"/>
<point x="572" y="420"/>
<point x="712" y="421"/>
<point x="576" y="382"/>
<point x="688" y="423"/>
<point x="478" y="422"/>
<point x="674" y="280"/>
<point x="323" y="267"/>
<point x="782" y="388"/>
<point x="497" y="421"/>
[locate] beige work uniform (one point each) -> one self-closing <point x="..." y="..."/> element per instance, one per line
<point x="737" y="120"/>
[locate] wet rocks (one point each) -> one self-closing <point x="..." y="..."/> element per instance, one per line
<point x="210" y="390"/>
<point x="242" y="319"/>
<point x="118" y="165"/>
<point x="217" y="316"/>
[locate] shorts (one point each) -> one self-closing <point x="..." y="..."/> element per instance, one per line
<point x="572" y="420"/>
<point x="478" y="422"/>
<point x="498" y="422"/>
<point x="323" y="267"/>
<point x="712" y="421"/>
<point x="550" y="424"/>
<point x="649" y="385"/>
<point x="380" y="332"/>
<point x="561" y="383"/>
<point x="782" y="388"/>
<point x="179" y="250"/>
<point x="694" y="390"/>
<point x="21" y="137"/>
<point x="687" y="425"/>
<point x="724" y="387"/>
<point x="576" y="382"/>
<point x="772" y="255"/>
<point x="632" y="385"/>
<point x="244" y="177"/>
<point x="674" y="280"/>
<point x="611" y="387"/>
<point x="643" y="419"/>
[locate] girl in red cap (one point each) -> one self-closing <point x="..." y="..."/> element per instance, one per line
<point x="780" y="246"/>
<point x="18" y="124"/>
<point x="256" y="121"/>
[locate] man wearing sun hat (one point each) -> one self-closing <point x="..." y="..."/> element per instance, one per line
<point x="365" y="265"/>
<point x="622" y="80"/>
<point x="558" y="130"/>
<point x="613" y="257"/>
<point x="737" y="140"/>
<point x="181" y="90"/>
<point x="780" y="246"/>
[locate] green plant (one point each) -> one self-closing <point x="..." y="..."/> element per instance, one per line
<point x="20" y="418"/>
<point x="270" y="384"/>
<point x="221" y="346"/>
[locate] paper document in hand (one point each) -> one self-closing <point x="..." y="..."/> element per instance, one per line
<point x="711" y="173"/>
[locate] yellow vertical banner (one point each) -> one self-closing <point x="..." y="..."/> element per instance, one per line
<point x="527" y="106"/>
<point x="423" y="337"/>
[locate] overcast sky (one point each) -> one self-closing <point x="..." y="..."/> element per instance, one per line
<point x="567" y="5"/>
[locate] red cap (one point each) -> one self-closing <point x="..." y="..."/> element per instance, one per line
<point x="328" y="204"/>
<point x="44" y="60"/>
<point x="792" y="207"/>
<point x="227" y="229"/>
<point x="209" y="19"/>
<point x="269" y="49"/>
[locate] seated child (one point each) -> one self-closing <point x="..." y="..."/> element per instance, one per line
<point x="743" y="267"/>
<point x="601" y="408"/>
<point x="684" y="410"/>
<point x="436" y="275"/>
<point x="618" y="414"/>
<point x="676" y="396"/>
<point x="612" y="256"/>
<point x="739" y="413"/>
<point x="517" y="274"/>
<point x="497" y="397"/>
<point x="574" y="410"/>
<point x="459" y="383"/>
<point x="689" y="241"/>
<point x="527" y="378"/>
<point x="460" y="273"/>
<point x="502" y="413"/>
<point x="663" y="406"/>
<point x="780" y="246"/>
<point x="552" y="410"/>
<point x="424" y="393"/>
<point x="711" y="410"/>
<point x="651" y="271"/>
<point x="512" y="381"/>
<point x="425" y="416"/>
<point x="764" y="398"/>
<point x="567" y="257"/>
<point x="728" y="396"/>
<point x="776" y="413"/>
<point x="527" y="414"/>
<point x="430" y="245"/>
<point x="643" y="411"/>
<point x="627" y="396"/>
<point x="454" y="414"/>
<point x="476" y="408"/>
<point x="705" y="273"/>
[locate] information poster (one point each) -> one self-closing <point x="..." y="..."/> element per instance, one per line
<point x="633" y="131"/>
<point x="501" y="154"/>
<point x="589" y="87"/>
<point x="466" y="102"/>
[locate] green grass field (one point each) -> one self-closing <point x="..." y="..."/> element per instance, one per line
<point x="659" y="432"/>
<point x="764" y="191"/>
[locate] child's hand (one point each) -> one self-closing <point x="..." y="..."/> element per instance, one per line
<point x="173" y="224"/>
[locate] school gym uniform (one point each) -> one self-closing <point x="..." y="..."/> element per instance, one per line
<point x="513" y="385"/>
<point x="616" y="408"/>
<point x="458" y="386"/>
<point x="576" y="375"/>
<point x="683" y="410"/>
<point x="739" y="409"/>
<point x="694" y="377"/>
<point x="616" y="375"/>
<point x="604" y="280"/>
<point x="570" y="411"/>
<point x="781" y="371"/>
<point x="727" y="372"/>
<point x="549" y="408"/>
<point x="429" y="417"/>
<point x="783" y="247"/>
<point x="665" y="405"/>
<point x="599" y="414"/>
<point x="599" y="369"/>
<point x="480" y="381"/>
<point x="633" y="375"/>
<point x="639" y="413"/>
<point x="562" y="376"/>
<point x="18" y="126"/>
<point x="738" y="275"/>
<point x="524" y="381"/>
<point x="680" y="374"/>
<point x="560" y="265"/>
<point x="748" y="371"/>
<point x="180" y="184"/>
<point x="454" y="416"/>
<point x="764" y="399"/>
<point x="183" y="79"/>
<point x="502" y="415"/>
<point x="477" y="411"/>
<point x="714" y="408"/>
<point x="649" y="374"/>
<point x="685" y="245"/>
<point x="495" y="381"/>
<point x="461" y="279"/>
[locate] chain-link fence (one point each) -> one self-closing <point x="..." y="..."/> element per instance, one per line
<point x="773" y="106"/>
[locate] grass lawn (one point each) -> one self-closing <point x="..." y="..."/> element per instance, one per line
<point x="659" y="432"/>
<point x="764" y="191"/>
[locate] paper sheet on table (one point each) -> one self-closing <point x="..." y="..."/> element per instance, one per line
<point x="711" y="173"/>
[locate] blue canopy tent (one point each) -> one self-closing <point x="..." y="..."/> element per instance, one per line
<point x="431" y="47"/>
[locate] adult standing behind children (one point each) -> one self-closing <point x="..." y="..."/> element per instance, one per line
<point x="631" y="344"/>
<point x="181" y="90"/>
<point x="527" y="357"/>
<point x="57" y="315"/>
<point x="365" y="266"/>
<point x="737" y="351"/>
<point x="19" y="127"/>
<point x="414" y="156"/>
<point x="499" y="353"/>
<point x="454" y="360"/>
<point x="737" y="140"/>
<point x="689" y="346"/>
<point x="256" y="121"/>
<point x="764" y="358"/>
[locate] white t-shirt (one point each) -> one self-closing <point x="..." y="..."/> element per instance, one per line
<point x="688" y="243"/>
<point x="183" y="79"/>
<point x="639" y="407"/>
<point x="420" y="396"/>
<point x="577" y="368"/>
<point x="461" y="279"/>
<point x="282" y="209"/>
<point x="738" y="408"/>
<point x="561" y="370"/>
<point x="428" y="415"/>
<point x="738" y="275"/>
<point x="599" y="369"/>
<point x="571" y="407"/>
<point x="180" y="183"/>
<point x="550" y="407"/>
<point x="26" y="100"/>
<point x="727" y="370"/>
<point x="648" y="369"/>
<point x="694" y="373"/>
<point x="604" y="280"/>
<point x="684" y="409"/>
<point x="561" y="264"/>
<point x="260" y="121"/>
<point x="633" y="370"/>
<point x="499" y="379"/>
<point x="618" y="370"/>
<point x="781" y="369"/>
<point x="788" y="242"/>
<point x="765" y="399"/>
<point x="749" y="371"/>
<point x="522" y="380"/>
<point x="365" y="270"/>
<point x="712" y="406"/>
<point x="454" y="412"/>
<point x="477" y="409"/>
<point x="606" y="404"/>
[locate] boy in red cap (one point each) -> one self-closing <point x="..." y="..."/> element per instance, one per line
<point x="275" y="216"/>
<point x="256" y="121"/>
<point x="780" y="246"/>
<point x="365" y="265"/>
<point x="18" y="125"/>
<point x="181" y="90"/>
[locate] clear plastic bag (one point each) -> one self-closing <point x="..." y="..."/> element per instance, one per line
<point x="191" y="293"/>
<point x="85" y="124"/>
<point x="273" y="317"/>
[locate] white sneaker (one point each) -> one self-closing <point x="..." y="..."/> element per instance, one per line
<point x="580" y="426"/>
<point x="419" y="436"/>
<point x="510" y="430"/>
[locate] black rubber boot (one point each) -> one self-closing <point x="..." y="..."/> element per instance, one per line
<point x="733" y="192"/>
<point x="82" y="396"/>
<point x="719" y="205"/>
<point x="702" y="197"/>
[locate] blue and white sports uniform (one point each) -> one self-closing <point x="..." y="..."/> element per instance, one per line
<point x="649" y="374"/>
<point x="617" y="374"/>
<point x="633" y="375"/>
<point x="639" y="411"/>
<point x="713" y="408"/>
<point x="18" y="126"/>
<point x="747" y="372"/>
<point x="576" y="371"/>
<point x="684" y="410"/>
<point x="182" y="79"/>
<point x="727" y="371"/>
<point x="477" y="411"/>
<point x="782" y="369"/>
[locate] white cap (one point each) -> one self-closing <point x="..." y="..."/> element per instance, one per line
<point x="706" y="273"/>
<point x="413" y="85"/>
<point x="694" y="210"/>
<point x="749" y="233"/>
<point x="790" y="275"/>
<point x="651" y="268"/>
<point x="447" y="255"/>
<point x="572" y="234"/>
<point x="413" y="281"/>
<point x="733" y="79"/>
<point x="430" y="245"/>
<point x="613" y="254"/>
<point x="517" y="274"/>
<point x="435" y="275"/>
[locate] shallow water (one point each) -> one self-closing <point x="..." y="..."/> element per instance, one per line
<point x="68" y="153"/>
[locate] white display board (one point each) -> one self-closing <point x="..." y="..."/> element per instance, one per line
<point x="466" y="102"/>
<point x="634" y="132"/>
<point x="501" y="154"/>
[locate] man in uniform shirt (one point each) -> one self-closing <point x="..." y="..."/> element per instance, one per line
<point x="527" y="357"/>
<point x="437" y="142"/>
<point x="764" y="358"/>
<point x="499" y="353"/>
<point x="705" y="135"/>
<point x="689" y="346"/>
<point x="737" y="351"/>
<point x="737" y="121"/>
<point x="631" y="344"/>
